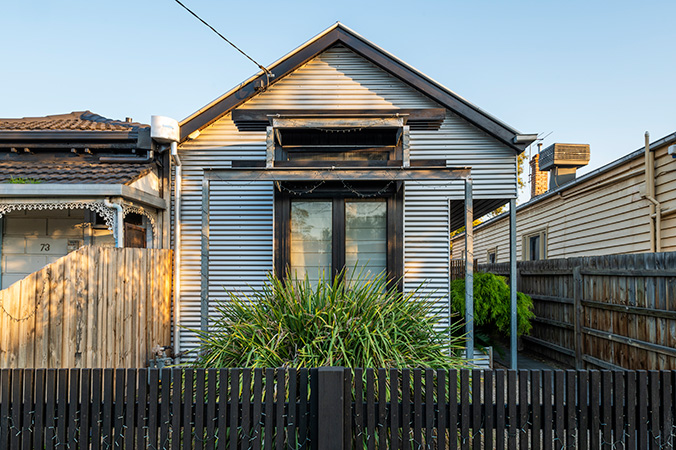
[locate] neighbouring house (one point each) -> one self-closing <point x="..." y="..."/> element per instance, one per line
<point x="606" y="211"/>
<point x="337" y="155"/>
<point x="77" y="179"/>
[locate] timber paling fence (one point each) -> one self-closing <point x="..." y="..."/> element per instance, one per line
<point x="335" y="408"/>
<point x="611" y="311"/>
<point x="95" y="307"/>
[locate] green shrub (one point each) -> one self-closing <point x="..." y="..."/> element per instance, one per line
<point x="353" y="323"/>
<point x="492" y="304"/>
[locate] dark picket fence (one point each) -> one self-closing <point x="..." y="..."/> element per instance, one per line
<point x="335" y="408"/>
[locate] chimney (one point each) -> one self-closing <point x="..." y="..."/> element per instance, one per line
<point x="538" y="178"/>
<point x="563" y="160"/>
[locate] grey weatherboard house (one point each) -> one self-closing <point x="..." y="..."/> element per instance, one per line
<point x="339" y="152"/>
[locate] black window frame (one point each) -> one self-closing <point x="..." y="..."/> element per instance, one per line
<point x="338" y="193"/>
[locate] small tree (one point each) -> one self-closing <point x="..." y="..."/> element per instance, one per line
<point x="351" y="323"/>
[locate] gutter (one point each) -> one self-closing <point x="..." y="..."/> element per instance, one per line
<point x="80" y="190"/>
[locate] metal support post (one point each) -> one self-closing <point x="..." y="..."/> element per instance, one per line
<point x="469" y="270"/>
<point x="512" y="282"/>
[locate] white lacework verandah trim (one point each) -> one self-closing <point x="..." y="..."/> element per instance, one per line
<point x="99" y="207"/>
<point x="126" y="209"/>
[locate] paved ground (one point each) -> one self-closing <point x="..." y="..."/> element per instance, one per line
<point x="525" y="360"/>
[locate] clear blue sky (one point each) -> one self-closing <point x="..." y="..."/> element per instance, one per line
<point x="597" y="72"/>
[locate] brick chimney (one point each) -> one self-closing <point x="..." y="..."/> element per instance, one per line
<point x="538" y="179"/>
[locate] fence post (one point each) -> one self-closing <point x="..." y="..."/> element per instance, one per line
<point x="577" y="305"/>
<point x="330" y="408"/>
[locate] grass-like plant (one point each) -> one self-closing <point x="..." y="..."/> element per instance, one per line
<point x="351" y="323"/>
<point x="492" y="304"/>
<point x="22" y="180"/>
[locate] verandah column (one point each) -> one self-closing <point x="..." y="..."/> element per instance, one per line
<point x="469" y="269"/>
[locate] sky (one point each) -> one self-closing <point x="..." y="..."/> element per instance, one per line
<point x="594" y="72"/>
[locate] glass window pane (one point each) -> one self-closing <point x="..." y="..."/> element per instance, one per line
<point x="535" y="248"/>
<point x="366" y="236"/>
<point x="311" y="239"/>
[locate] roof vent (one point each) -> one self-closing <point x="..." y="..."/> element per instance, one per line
<point x="562" y="161"/>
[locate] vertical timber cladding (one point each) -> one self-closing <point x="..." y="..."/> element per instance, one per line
<point x="336" y="79"/>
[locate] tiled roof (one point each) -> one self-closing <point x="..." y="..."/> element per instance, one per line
<point x="77" y="120"/>
<point x="61" y="172"/>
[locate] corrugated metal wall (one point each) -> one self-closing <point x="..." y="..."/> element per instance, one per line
<point x="241" y="215"/>
<point x="588" y="220"/>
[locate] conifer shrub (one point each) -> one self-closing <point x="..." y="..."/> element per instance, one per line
<point x="492" y="304"/>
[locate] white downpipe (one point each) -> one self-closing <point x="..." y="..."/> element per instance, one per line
<point x="118" y="232"/>
<point x="177" y="245"/>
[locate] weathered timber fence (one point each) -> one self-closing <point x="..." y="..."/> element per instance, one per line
<point x="335" y="409"/>
<point x="457" y="268"/>
<point x="96" y="307"/>
<point x="612" y="311"/>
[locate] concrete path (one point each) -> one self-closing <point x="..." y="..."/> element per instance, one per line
<point x="523" y="362"/>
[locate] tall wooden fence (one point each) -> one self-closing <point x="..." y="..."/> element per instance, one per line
<point x="96" y="307"/>
<point x="335" y="409"/>
<point x="612" y="311"/>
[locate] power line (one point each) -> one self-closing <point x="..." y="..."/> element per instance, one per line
<point x="267" y="72"/>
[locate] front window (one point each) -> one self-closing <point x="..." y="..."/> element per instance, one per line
<point x="327" y="227"/>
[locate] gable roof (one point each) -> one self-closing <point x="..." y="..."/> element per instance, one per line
<point x="76" y="120"/>
<point x="340" y="34"/>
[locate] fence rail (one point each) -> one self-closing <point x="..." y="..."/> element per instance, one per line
<point x="335" y="408"/>
<point x="612" y="311"/>
<point x="95" y="307"/>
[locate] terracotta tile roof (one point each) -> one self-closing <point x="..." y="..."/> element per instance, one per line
<point x="77" y="120"/>
<point x="61" y="172"/>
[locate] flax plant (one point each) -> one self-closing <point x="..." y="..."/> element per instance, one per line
<point x="350" y="321"/>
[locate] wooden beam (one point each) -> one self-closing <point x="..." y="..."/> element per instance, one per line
<point x="343" y="122"/>
<point x="669" y="351"/>
<point x="338" y="174"/>
<point x="259" y="163"/>
<point x="660" y="313"/>
<point x="264" y="115"/>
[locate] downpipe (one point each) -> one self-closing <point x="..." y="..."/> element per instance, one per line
<point x="655" y="213"/>
<point x="178" y="175"/>
<point x="118" y="232"/>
